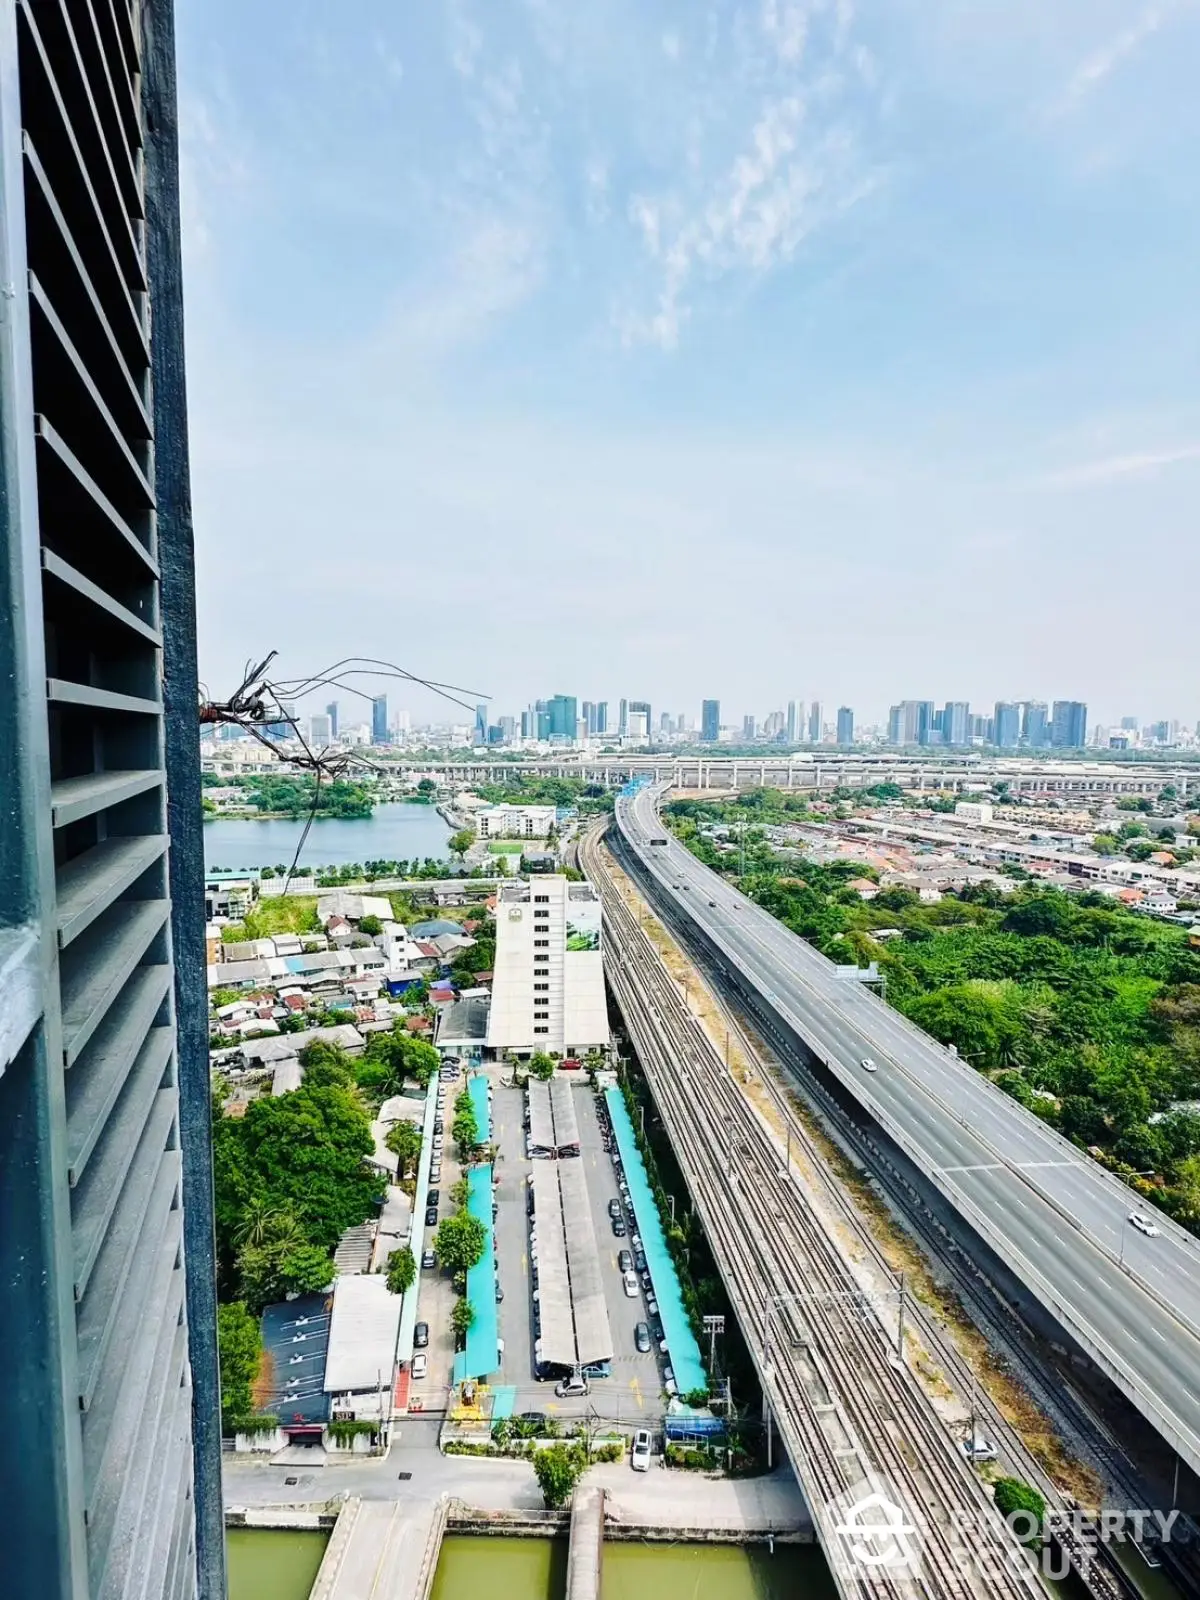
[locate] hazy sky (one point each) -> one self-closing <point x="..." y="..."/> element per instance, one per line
<point x="844" y="348"/>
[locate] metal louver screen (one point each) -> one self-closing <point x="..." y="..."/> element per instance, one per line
<point x="82" y="168"/>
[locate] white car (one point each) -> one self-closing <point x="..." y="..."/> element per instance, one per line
<point x="630" y="1284"/>
<point x="639" y="1456"/>
<point x="420" y="1366"/>
<point x="1143" y="1224"/>
<point x="868" y="1065"/>
<point x="978" y="1448"/>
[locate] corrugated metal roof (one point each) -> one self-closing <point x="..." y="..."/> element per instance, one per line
<point x="554" y="1294"/>
<point x="362" y="1334"/>
<point x="593" y="1335"/>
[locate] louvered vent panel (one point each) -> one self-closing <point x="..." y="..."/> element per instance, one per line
<point x="80" y="94"/>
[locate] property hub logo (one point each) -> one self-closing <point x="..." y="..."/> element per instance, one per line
<point x="873" y="1530"/>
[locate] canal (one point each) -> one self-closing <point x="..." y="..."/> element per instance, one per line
<point x="282" y="1566"/>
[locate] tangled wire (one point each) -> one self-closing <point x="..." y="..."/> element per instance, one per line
<point x="258" y="707"/>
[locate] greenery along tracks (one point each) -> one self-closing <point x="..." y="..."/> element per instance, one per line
<point x="1086" y="1012"/>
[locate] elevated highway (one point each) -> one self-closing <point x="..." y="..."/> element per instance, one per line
<point x="1056" y="1219"/>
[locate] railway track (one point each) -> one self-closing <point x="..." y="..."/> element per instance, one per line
<point x="849" y="1411"/>
<point x="1057" y="1398"/>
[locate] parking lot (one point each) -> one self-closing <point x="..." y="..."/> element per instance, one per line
<point x="633" y="1394"/>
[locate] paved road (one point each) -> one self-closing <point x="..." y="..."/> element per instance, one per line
<point x="1055" y="1216"/>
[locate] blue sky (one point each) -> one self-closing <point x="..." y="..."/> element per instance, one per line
<point x="787" y="348"/>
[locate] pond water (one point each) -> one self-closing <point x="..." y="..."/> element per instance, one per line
<point x="269" y="1565"/>
<point x="535" y="1569"/>
<point x="396" y="832"/>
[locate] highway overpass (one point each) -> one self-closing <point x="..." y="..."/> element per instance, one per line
<point x="1057" y="1219"/>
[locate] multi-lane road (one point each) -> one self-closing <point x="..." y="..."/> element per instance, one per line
<point x="1056" y="1218"/>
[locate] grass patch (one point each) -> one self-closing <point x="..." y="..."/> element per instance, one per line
<point x="505" y="847"/>
<point x="285" y="913"/>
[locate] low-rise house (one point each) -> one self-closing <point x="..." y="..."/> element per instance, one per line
<point x="352" y="907"/>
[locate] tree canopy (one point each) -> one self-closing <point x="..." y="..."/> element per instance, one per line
<point x="239" y="1348"/>
<point x="460" y="1241"/>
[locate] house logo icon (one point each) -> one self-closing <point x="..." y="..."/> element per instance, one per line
<point x="870" y="1529"/>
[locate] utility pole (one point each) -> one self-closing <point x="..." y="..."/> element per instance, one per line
<point x="900" y="1321"/>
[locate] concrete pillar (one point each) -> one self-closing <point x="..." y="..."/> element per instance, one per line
<point x="587" y="1544"/>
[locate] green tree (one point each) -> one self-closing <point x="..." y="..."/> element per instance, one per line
<point x="459" y="843"/>
<point x="558" y="1469"/>
<point x="325" y="1064"/>
<point x="541" y="1064"/>
<point x="1019" y="1501"/>
<point x="239" y="1347"/>
<point x="224" y="997"/>
<point x="370" y="925"/>
<point x="462" y="1318"/>
<point x="401" y="1270"/>
<point x="404" y="1140"/>
<point x="465" y="1126"/>
<point x="460" y="1241"/>
<point x="271" y="1271"/>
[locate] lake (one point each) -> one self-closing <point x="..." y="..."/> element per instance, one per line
<point x="396" y="832"/>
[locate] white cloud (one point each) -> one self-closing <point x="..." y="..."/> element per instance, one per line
<point x="786" y="26"/>
<point x="671" y="46"/>
<point x="1119" y="468"/>
<point x="466" y="40"/>
<point x="1103" y="62"/>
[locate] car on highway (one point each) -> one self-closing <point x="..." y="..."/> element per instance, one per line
<point x="624" y="1261"/>
<point x="614" y="1209"/>
<point x="868" y="1065"/>
<point x="420" y="1335"/>
<point x="618" y="1227"/>
<point x="641" y="1337"/>
<point x="639" y="1456"/>
<point x="420" y="1366"/>
<point x="630" y="1284"/>
<point x="1145" y="1224"/>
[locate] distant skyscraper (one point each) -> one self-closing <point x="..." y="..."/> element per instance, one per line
<point x="791" y="722"/>
<point x="623" y="719"/>
<point x="710" y="721"/>
<point x="664" y="722"/>
<point x="1035" y="729"/>
<point x="814" y="723"/>
<point x="564" y="716"/>
<point x="749" y="729"/>
<point x="588" y="713"/>
<point x="528" y="724"/>
<point x="1130" y="724"/>
<point x="379" y="722"/>
<point x="845" y="725"/>
<point x="508" y="729"/>
<point x="911" y="722"/>
<point x="320" y="729"/>
<point x="331" y="711"/>
<point x="481" y="724"/>
<point x="602" y="716"/>
<point x="1068" y="729"/>
<point x="1006" y="724"/>
<point x="956" y="723"/>
<point x="642" y="707"/>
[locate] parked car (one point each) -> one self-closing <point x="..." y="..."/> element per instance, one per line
<point x="438" y="1125"/>
<point x="618" y="1227"/>
<point x="639" y="1261"/>
<point x="431" y="1217"/>
<point x="652" y="1306"/>
<point x="420" y="1366"/>
<point x="420" y="1335"/>
<point x="435" y="1197"/>
<point x="428" y="1260"/>
<point x="639" y="1456"/>
<point x="630" y="1284"/>
<point x="624" y="1261"/>
<point x="641" y="1337"/>
<point x="614" y="1209"/>
<point x="533" y="1419"/>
